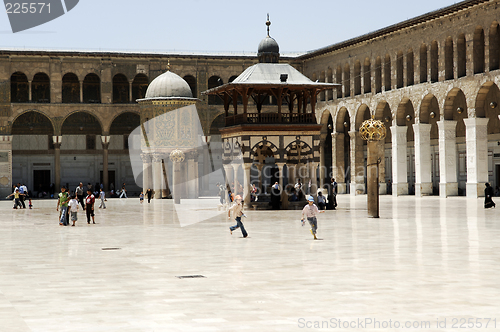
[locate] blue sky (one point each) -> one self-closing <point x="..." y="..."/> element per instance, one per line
<point x="211" y="26"/>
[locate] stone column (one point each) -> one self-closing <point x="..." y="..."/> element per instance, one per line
<point x="322" y="164"/>
<point x="381" y="167"/>
<point x="177" y="157"/>
<point x="229" y="178"/>
<point x="235" y="177"/>
<point x="146" y="171"/>
<point x="157" y="175"/>
<point x="259" y="168"/>
<point x="246" y="183"/>
<point x="399" y="159"/>
<point x="30" y="98"/>
<point x="476" y="136"/>
<point x="357" y="163"/>
<point x="6" y="165"/>
<point x="206" y="171"/>
<point x="130" y="95"/>
<point x="314" y="182"/>
<point x="57" y="162"/>
<point x="81" y="91"/>
<point x="448" y="185"/>
<point x="372" y="178"/>
<point x="191" y="177"/>
<point x="338" y="161"/>
<point x="423" y="167"/>
<point x="105" y="146"/>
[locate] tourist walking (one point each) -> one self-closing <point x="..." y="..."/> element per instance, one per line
<point x="62" y="202"/>
<point x="23" y="190"/>
<point x="488" y="194"/>
<point x="102" y="196"/>
<point x="124" y="192"/>
<point x="89" y="203"/>
<point x="310" y="211"/>
<point x="237" y="210"/>
<point x="79" y="191"/>
<point x="149" y="193"/>
<point x="73" y="209"/>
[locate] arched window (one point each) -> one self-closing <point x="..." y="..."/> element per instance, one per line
<point x="347" y="80"/>
<point x="367" y="76"/>
<point x="494" y="42"/>
<point x="357" y="77"/>
<point x="461" y="56"/>
<point x="448" y="59"/>
<point x="423" y="63"/>
<point x="91" y="89"/>
<point x="399" y="70"/>
<point x="378" y="75"/>
<point x="410" y="72"/>
<point x="214" y="82"/>
<point x="191" y="81"/>
<point x="139" y="87"/>
<point x="120" y="89"/>
<point x="19" y="89"/>
<point x="40" y="88"/>
<point x="387" y="73"/>
<point x="478" y="50"/>
<point x="70" y="89"/>
<point x="338" y="75"/>
<point x="434" y="62"/>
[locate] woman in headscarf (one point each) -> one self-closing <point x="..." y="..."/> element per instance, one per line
<point x="488" y="194"/>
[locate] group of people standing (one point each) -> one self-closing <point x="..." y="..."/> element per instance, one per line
<point x="68" y="205"/>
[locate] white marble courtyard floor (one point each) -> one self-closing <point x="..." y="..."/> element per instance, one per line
<point x="427" y="262"/>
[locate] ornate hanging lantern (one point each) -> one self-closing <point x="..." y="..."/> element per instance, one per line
<point x="372" y="130"/>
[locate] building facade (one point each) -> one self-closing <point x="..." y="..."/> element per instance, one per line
<point x="432" y="79"/>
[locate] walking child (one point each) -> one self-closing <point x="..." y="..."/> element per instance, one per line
<point x="89" y="206"/>
<point x="63" y="203"/>
<point x="310" y="211"/>
<point x="141" y="197"/>
<point x="73" y="209"/>
<point x="17" y="198"/>
<point x="237" y="209"/>
<point x="102" y="196"/>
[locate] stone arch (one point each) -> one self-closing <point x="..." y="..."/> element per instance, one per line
<point x="70" y="89"/>
<point x="378" y="75"/>
<point x="362" y="114"/>
<point x="81" y="123"/>
<point x="342" y="121"/>
<point x="405" y="116"/>
<point x="410" y="68"/>
<point x="461" y="56"/>
<point x="298" y="152"/>
<point x="191" y="81"/>
<point x="40" y="88"/>
<point x="387" y="73"/>
<point x="430" y="114"/>
<point x="213" y="82"/>
<point x="139" y="87"/>
<point x="485" y="97"/>
<point x="217" y="123"/>
<point x="478" y="50"/>
<point x="384" y="114"/>
<point x="423" y="63"/>
<point x="448" y="59"/>
<point x="492" y="109"/>
<point x="367" y="76"/>
<point x="494" y="46"/>
<point x="357" y="77"/>
<point x="262" y="150"/>
<point x="434" y="61"/>
<point x="455" y="108"/>
<point x="91" y="89"/>
<point x="32" y="122"/>
<point x="19" y="88"/>
<point x="121" y="89"/>
<point x="124" y="123"/>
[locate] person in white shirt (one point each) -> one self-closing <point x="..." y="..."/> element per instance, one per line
<point x="73" y="209"/>
<point x="310" y="211"/>
<point x="102" y="196"/>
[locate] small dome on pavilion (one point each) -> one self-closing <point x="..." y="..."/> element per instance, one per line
<point x="269" y="50"/>
<point x="168" y="85"/>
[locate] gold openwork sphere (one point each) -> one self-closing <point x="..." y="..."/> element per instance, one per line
<point x="177" y="156"/>
<point x="372" y="130"/>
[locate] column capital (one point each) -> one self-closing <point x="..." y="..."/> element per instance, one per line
<point x="105" y="139"/>
<point x="157" y="157"/>
<point x="146" y="158"/>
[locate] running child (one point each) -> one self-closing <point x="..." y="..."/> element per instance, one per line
<point x="310" y="211"/>
<point x="237" y="209"/>
<point x="73" y="209"/>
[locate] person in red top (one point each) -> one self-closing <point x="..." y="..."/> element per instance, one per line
<point x="89" y="206"/>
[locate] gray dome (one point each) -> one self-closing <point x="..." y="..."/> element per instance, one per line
<point x="268" y="45"/>
<point x="169" y="85"/>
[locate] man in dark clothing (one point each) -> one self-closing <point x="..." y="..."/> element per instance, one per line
<point x="149" y="193"/>
<point x="332" y="195"/>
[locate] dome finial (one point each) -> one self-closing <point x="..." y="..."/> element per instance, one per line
<point x="268" y="23"/>
<point x="168" y="64"/>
